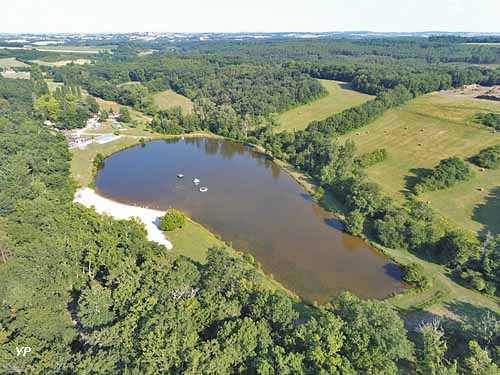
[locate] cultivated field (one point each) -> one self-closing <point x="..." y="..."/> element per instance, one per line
<point x="340" y="97"/>
<point x="16" y="75"/>
<point x="418" y="135"/>
<point x="63" y="62"/>
<point x="75" y="49"/>
<point x="11" y="63"/>
<point x="169" y="99"/>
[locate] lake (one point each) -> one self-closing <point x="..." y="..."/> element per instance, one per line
<point x="257" y="207"/>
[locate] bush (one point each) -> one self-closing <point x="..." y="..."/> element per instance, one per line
<point x="98" y="160"/>
<point x="474" y="279"/>
<point x="125" y="115"/>
<point x="489" y="158"/>
<point x="414" y="274"/>
<point x="447" y="173"/>
<point x="491" y="120"/>
<point x="372" y="158"/>
<point x="173" y="219"/>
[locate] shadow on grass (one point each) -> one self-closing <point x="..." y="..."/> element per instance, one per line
<point x="467" y="310"/>
<point x="488" y="213"/>
<point x="347" y="86"/>
<point x="412" y="180"/>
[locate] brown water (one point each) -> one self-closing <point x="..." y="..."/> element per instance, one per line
<point x="257" y="207"/>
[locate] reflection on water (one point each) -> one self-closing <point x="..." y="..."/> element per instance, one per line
<point x="256" y="207"/>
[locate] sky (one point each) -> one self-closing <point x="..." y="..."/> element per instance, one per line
<point x="249" y="15"/>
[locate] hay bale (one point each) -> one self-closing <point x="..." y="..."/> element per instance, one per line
<point x="481" y="189"/>
<point x="420" y="144"/>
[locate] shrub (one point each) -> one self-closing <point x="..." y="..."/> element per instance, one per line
<point x="474" y="279"/>
<point x="489" y="158"/>
<point x="413" y="273"/>
<point x="173" y="219"/>
<point x="125" y="114"/>
<point x="491" y="120"/>
<point x="319" y="194"/>
<point x="98" y="160"/>
<point x="372" y="158"/>
<point x="447" y="173"/>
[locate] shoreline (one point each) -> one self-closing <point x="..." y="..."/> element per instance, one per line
<point x="150" y="218"/>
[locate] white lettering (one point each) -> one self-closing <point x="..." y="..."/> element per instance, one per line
<point x="23" y="349"/>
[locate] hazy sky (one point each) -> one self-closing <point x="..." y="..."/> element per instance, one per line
<point x="249" y="15"/>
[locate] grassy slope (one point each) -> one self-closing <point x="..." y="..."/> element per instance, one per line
<point x="106" y="105"/>
<point x="420" y="134"/>
<point x="340" y="97"/>
<point x="169" y="99"/>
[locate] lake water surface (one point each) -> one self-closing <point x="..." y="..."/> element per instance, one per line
<point x="257" y="207"/>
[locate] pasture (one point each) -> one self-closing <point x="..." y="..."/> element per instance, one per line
<point x="340" y="96"/>
<point x="169" y="99"/>
<point x="420" y="134"/>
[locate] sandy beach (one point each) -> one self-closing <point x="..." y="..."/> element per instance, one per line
<point x="150" y="218"/>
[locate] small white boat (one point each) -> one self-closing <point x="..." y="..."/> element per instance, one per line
<point x="203" y="189"/>
<point x="180" y="175"/>
<point x="196" y="181"/>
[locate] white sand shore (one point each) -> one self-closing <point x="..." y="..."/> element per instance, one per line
<point x="150" y="218"/>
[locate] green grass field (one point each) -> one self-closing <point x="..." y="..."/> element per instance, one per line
<point x="417" y="136"/>
<point x="168" y="99"/>
<point x="11" y="62"/>
<point x="340" y="96"/>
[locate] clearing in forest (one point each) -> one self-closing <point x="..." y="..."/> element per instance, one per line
<point x="420" y="134"/>
<point x="340" y="96"/>
<point x="169" y="99"/>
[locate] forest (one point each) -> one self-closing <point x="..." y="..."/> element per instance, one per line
<point x="104" y="300"/>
